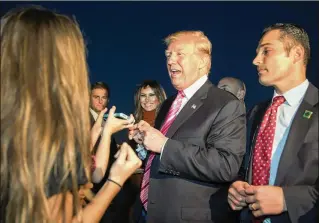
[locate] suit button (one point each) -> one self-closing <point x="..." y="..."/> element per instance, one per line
<point x="152" y="202"/>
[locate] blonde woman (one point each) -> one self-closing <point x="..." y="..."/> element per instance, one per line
<point x="45" y="130"/>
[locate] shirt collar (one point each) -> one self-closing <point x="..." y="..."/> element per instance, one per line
<point x="296" y="94"/>
<point x="191" y="90"/>
<point x="94" y="114"/>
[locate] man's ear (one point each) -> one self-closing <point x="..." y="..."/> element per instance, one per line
<point x="203" y="62"/>
<point x="241" y="95"/>
<point x="298" y="53"/>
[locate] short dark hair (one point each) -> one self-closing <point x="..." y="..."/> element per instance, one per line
<point x="101" y="85"/>
<point x="295" y="33"/>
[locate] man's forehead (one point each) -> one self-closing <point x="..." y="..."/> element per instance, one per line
<point x="270" y="38"/>
<point x="182" y="44"/>
<point x="99" y="91"/>
<point x="226" y="81"/>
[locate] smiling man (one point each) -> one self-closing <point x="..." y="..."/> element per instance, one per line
<point x="281" y="182"/>
<point x="198" y="142"/>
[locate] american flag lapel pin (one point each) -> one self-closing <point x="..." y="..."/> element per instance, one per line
<point x="193" y="106"/>
<point x="307" y="114"/>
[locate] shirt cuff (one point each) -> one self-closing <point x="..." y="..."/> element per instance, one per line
<point x="285" y="205"/>
<point x="162" y="149"/>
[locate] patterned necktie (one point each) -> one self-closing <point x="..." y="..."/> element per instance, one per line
<point x="170" y="117"/>
<point x="263" y="146"/>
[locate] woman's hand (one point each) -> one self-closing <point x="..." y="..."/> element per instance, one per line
<point x="114" y="124"/>
<point x="97" y="128"/>
<point x="125" y="165"/>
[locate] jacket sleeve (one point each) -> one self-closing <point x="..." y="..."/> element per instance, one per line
<point x="220" y="159"/>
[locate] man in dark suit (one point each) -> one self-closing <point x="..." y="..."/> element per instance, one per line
<point x="281" y="181"/>
<point x="198" y="142"/>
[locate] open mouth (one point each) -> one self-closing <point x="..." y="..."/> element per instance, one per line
<point x="261" y="71"/>
<point x="175" y="72"/>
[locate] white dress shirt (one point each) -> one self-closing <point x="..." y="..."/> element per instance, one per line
<point x="94" y="114"/>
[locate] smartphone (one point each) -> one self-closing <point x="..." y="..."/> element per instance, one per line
<point x="117" y="115"/>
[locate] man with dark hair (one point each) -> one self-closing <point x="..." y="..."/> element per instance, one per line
<point x="234" y="86"/>
<point x="281" y="181"/>
<point x="100" y="94"/>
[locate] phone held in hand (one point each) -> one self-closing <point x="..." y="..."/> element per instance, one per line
<point x="117" y="115"/>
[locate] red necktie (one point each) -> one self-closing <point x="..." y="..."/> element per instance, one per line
<point x="170" y="117"/>
<point x="263" y="145"/>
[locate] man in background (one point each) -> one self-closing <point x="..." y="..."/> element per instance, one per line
<point x="234" y="86"/>
<point x="100" y="93"/>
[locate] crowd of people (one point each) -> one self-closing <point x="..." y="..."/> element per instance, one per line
<point x="195" y="156"/>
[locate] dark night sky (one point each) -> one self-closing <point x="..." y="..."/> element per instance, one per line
<point x="125" y="39"/>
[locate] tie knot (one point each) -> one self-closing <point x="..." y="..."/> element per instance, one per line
<point x="181" y="94"/>
<point x="278" y="100"/>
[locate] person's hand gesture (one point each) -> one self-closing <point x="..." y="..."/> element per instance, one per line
<point x="97" y="128"/>
<point x="113" y="124"/>
<point x="125" y="164"/>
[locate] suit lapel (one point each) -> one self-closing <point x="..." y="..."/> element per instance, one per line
<point x="297" y="132"/>
<point x="190" y="107"/>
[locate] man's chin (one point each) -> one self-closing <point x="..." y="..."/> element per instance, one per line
<point x="97" y="110"/>
<point x="265" y="82"/>
<point x="177" y="85"/>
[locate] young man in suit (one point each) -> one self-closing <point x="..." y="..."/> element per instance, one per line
<point x="281" y="182"/>
<point x="198" y="142"/>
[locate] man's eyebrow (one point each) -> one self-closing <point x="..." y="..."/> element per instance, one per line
<point x="262" y="45"/>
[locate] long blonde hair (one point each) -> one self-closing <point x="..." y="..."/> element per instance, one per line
<point x="44" y="110"/>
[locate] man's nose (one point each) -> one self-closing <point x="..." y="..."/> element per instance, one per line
<point x="257" y="60"/>
<point x="171" y="60"/>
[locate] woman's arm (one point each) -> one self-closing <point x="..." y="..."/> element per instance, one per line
<point x="126" y="163"/>
<point x="102" y="158"/>
<point x="93" y="212"/>
<point x="102" y="155"/>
